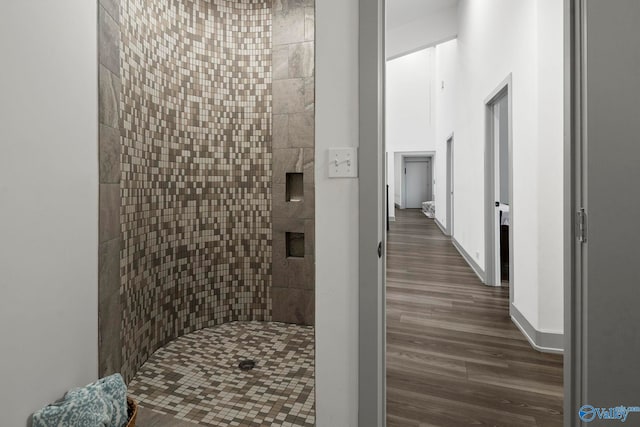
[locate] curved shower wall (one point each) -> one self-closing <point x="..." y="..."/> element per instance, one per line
<point x="196" y="168"/>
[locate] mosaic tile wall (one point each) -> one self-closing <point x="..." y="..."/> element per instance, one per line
<point x="196" y="168"/>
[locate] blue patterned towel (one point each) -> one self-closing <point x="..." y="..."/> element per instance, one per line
<point x="100" y="404"/>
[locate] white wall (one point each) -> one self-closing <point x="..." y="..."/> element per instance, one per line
<point x="336" y="216"/>
<point x="424" y="31"/>
<point x="495" y="38"/>
<point x="410" y="115"/>
<point x="550" y="165"/>
<point x="48" y="203"/>
<point x="420" y="115"/>
<point x="445" y="93"/>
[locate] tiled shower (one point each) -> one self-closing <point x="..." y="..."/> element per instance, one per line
<point x="206" y="170"/>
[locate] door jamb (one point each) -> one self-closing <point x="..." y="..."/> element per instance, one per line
<point x="371" y="245"/>
<point x="504" y="88"/>
<point x="449" y="185"/>
<point x="573" y="79"/>
<point x="575" y="123"/>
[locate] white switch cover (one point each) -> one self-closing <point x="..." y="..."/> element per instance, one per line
<point x="343" y="163"/>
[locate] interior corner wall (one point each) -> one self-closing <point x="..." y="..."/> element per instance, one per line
<point x="497" y="38"/>
<point x="410" y="115"/>
<point x="49" y="203"/>
<point x="445" y="93"/>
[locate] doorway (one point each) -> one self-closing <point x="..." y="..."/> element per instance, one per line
<point x="449" y="227"/>
<point x="499" y="184"/>
<point x="418" y="181"/>
<point x="574" y="18"/>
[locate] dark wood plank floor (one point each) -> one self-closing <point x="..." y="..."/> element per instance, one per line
<point x="454" y="357"/>
<point x="150" y="418"/>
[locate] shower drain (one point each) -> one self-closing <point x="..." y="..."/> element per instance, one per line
<point x="247" y="365"/>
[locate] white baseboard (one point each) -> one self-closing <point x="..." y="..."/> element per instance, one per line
<point x="545" y="342"/>
<point x="440" y="226"/>
<point x="475" y="267"/>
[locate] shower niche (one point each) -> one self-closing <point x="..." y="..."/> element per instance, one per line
<point x="295" y="245"/>
<point x="295" y="187"/>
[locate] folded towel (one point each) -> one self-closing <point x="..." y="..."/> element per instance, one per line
<point x="100" y="404"/>
<point x="115" y="390"/>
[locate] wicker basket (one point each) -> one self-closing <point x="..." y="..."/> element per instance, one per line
<point x="133" y="412"/>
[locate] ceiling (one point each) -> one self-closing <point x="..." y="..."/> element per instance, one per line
<point x="400" y="12"/>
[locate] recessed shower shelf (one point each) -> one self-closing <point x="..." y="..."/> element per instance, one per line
<point x="295" y="245"/>
<point x="295" y="187"/>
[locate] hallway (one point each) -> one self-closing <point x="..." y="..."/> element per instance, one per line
<point x="453" y="355"/>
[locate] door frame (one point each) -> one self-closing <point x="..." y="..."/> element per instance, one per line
<point x="505" y="88"/>
<point x="371" y="225"/>
<point x="574" y="182"/>
<point x="371" y="358"/>
<point x="406" y="158"/>
<point x="449" y="190"/>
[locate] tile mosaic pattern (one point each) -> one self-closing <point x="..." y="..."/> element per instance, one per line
<point x="196" y="162"/>
<point x="196" y="377"/>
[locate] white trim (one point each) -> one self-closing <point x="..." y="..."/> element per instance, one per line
<point x="505" y="88"/>
<point x="474" y="266"/>
<point x="574" y="382"/>
<point x="449" y="193"/>
<point x="440" y="226"/>
<point x="372" y="218"/>
<point x="545" y="342"/>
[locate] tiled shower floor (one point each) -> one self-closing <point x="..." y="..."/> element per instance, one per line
<point x="196" y="377"/>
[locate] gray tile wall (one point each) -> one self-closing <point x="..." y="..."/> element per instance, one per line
<point x="293" y="295"/>
<point x="196" y="168"/>
<point x="110" y="305"/>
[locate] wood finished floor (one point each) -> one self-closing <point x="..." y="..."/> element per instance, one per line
<point x="454" y="357"/>
<point x="150" y="418"/>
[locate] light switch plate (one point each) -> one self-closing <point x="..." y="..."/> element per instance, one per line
<point x="343" y="163"/>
